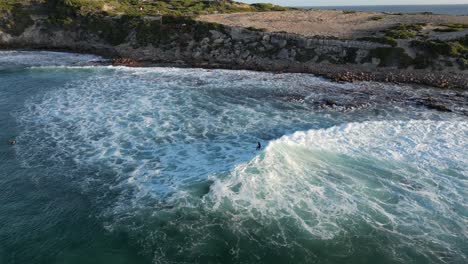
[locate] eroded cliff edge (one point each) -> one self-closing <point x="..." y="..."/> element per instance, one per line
<point x="400" y="53"/>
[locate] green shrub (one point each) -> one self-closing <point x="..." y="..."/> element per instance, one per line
<point x="439" y="47"/>
<point x="154" y="7"/>
<point x="376" y="18"/>
<point x="400" y="34"/>
<point x="462" y="63"/>
<point x="6" y="5"/>
<point x="448" y="29"/>
<point x="261" y="7"/>
<point x="17" y="21"/>
<point x="114" y="31"/>
<point x="391" y="57"/>
<point x="436" y="48"/>
<point x="257" y="29"/>
<point x="404" y="31"/>
<point x="60" y="21"/>
<point x="455" y="25"/>
<point x="451" y="27"/>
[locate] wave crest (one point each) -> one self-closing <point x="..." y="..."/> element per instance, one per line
<point x="401" y="177"/>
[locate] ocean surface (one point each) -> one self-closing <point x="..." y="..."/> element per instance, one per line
<point x="158" y="165"/>
<point x="436" y="9"/>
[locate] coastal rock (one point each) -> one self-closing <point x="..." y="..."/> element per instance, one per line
<point x="375" y="61"/>
<point x="431" y="103"/>
<point x="245" y="54"/>
<point x="125" y="62"/>
<point x="216" y="34"/>
<point x="218" y="41"/>
<point x="281" y="43"/>
<point x="283" y="54"/>
<point x="239" y="48"/>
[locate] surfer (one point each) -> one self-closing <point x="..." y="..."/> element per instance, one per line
<point x="12" y="141"/>
<point x="259" y="146"/>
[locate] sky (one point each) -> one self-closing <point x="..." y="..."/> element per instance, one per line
<point x="356" y="2"/>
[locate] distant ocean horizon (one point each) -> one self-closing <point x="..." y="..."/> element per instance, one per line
<point x="461" y="9"/>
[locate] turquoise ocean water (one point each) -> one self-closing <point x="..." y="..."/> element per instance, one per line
<point x="158" y="165"/>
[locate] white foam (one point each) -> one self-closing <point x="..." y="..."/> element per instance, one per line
<point x="44" y="58"/>
<point x="163" y="130"/>
<point x="404" y="178"/>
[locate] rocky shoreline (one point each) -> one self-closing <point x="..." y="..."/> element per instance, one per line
<point x="189" y="43"/>
<point x="346" y="75"/>
<point x="454" y="84"/>
<point x="334" y="73"/>
<point x="407" y="53"/>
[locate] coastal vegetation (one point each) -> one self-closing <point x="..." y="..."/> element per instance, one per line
<point x="113" y="20"/>
<point x="126" y="15"/>
<point x="172" y="31"/>
<point x="428" y="52"/>
<point x="434" y="49"/>
<point x="390" y="35"/>
<point x="451" y="27"/>
<point x="376" y="18"/>
<point x="148" y="7"/>
<point x="404" y="31"/>
<point x="18" y="20"/>
<point x="391" y="57"/>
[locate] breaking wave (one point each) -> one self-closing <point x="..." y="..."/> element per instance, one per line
<point x="11" y="58"/>
<point x="396" y="175"/>
<point x="175" y="149"/>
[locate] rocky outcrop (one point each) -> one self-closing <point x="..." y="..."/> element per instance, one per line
<point x="125" y="62"/>
<point x="188" y="42"/>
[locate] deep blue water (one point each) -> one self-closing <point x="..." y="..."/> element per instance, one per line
<point x="436" y="9"/>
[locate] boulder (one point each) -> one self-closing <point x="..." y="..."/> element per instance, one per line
<point x="124" y="62"/>
<point x="218" y="41"/>
<point x="283" y="54"/>
<point x="281" y="43"/>
<point x="216" y="34"/>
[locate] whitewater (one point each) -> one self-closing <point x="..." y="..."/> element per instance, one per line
<point x="159" y="165"/>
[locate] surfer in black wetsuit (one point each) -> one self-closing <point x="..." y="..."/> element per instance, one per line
<point x="259" y="146"/>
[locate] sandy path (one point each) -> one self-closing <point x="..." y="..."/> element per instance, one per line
<point x="327" y="22"/>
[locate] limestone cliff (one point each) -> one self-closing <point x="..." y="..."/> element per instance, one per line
<point x="182" y="40"/>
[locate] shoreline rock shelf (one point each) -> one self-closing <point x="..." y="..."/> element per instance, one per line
<point x="137" y="41"/>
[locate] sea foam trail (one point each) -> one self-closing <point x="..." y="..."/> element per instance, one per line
<point x="156" y="128"/>
<point x="44" y="58"/>
<point x="404" y="178"/>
